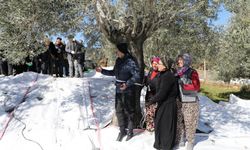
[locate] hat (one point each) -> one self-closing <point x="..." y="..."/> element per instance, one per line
<point x="155" y="59"/>
<point x="122" y="47"/>
<point x="70" y="36"/>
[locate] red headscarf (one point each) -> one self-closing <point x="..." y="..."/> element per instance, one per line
<point x="155" y="59"/>
<point x="155" y="72"/>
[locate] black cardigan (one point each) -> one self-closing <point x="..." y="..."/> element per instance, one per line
<point x="167" y="88"/>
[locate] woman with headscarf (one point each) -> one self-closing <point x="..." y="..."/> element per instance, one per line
<point x="189" y="85"/>
<point x="151" y="82"/>
<point x="165" y="116"/>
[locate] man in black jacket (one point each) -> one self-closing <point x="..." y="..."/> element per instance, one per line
<point x="60" y="49"/>
<point x="126" y="72"/>
<point x="48" y="57"/>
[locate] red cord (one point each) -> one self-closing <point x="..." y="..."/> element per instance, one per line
<point x="11" y="115"/>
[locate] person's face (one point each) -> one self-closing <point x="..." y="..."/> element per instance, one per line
<point x="154" y="65"/>
<point x="119" y="54"/>
<point x="70" y="39"/>
<point x="47" y="44"/>
<point x="161" y="67"/>
<point x="180" y="62"/>
<point x="58" y="41"/>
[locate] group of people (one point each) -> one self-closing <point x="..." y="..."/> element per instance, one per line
<point x="171" y="101"/>
<point x="172" y="106"/>
<point x="58" y="59"/>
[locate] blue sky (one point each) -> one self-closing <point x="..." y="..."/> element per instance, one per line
<point x="223" y="17"/>
<point x="78" y="36"/>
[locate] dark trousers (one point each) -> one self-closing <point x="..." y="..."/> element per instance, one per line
<point x="38" y="66"/>
<point x="65" y="67"/>
<point x="4" y="68"/>
<point x="125" y="111"/>
<point x="58" y="67"/>
<point x="46" y="67"/>
<point x="1" y="67"/>
<point x="10" y="69"/>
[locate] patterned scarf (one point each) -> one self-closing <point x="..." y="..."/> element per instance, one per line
<point x="187" y="62"/>
<point x="181" y="71"/>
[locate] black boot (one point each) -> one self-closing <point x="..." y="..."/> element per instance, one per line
<point x="120" y="136"/>
<point x="129" y="135"/>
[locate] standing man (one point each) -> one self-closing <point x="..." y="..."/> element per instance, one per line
<point x="49" y="56"/>
<point x="73" y="48"/>
<point x="70" y="49"/>
<point x="126" y="72"/>
<point x="60" y="48"/>
<point x="78" y="57"/>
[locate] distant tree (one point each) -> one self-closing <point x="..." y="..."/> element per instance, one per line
<point x="234" y="60"/>
<point x="24" y="24"/>
<point x="136" y="21"/>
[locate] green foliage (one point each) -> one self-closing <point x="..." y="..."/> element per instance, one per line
<point x="221" y="92"/>
<point x="24" y="24"/>
<point x="217" y="92"/>
<point x="191" y="34"/>
<point x="168" y="27"/>
<point x="245" y="89"/>
<point x="174" y="26"/>
<point x="234" y="60"/>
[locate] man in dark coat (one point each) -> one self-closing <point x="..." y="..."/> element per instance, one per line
<point x="42" y="63"/>
<point x="60" y="49"/>
<point x="48" y="57"/>
<point x="126" y="72"/>
<point x="166" y="111"/>
<point x="54" y="65"/>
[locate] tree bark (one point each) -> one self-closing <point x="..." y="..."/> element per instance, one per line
<point x="205" y="71"/>
<point x="137" y="52"/>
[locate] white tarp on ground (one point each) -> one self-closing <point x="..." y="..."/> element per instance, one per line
<point x="58" y="115"/>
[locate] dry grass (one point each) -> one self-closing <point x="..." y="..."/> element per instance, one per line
<point x="220" y="91"/>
